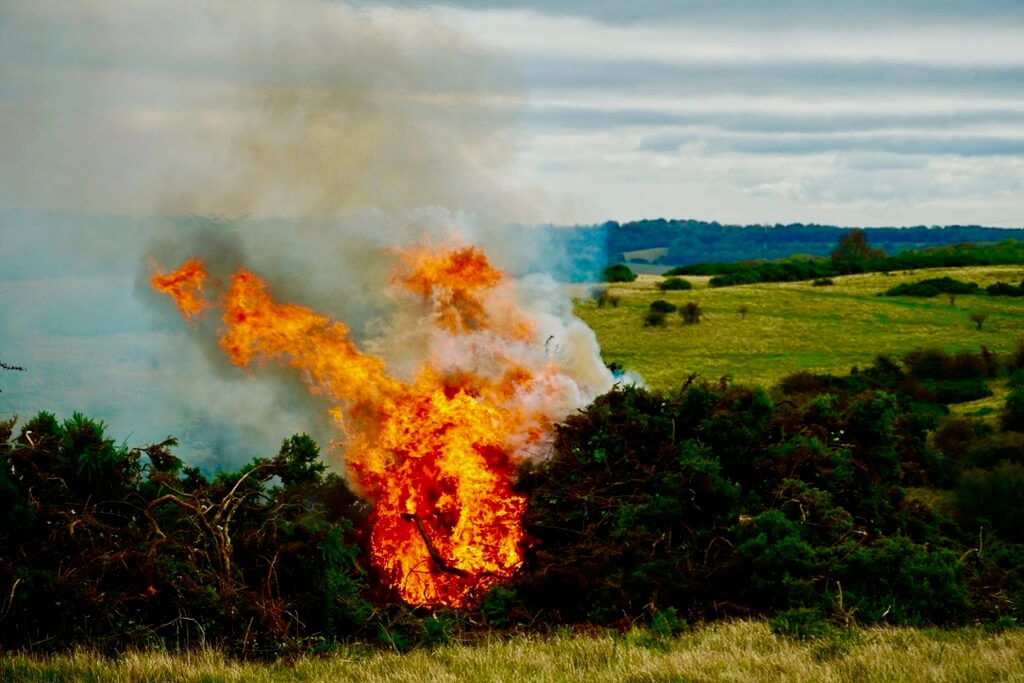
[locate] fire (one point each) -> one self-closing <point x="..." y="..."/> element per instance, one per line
<point x="436" y="454"/>
<point x="185" y="286"/>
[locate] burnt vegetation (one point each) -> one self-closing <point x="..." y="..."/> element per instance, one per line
<point x="827" y="500"/>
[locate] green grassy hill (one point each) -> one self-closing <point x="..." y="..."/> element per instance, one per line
<point x="797" y="326"/>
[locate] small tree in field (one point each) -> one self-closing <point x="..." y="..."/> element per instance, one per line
<point x="978" y="318"/>
<point x="690" y="313"/>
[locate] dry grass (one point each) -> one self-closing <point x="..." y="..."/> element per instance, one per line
<point x="739" y="651"/>
<point x="795" y="326"/>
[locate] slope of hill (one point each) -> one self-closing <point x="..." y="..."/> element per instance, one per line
<point x="795" y="326"/>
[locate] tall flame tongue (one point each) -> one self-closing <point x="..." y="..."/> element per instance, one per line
<point x="435" y="454"/>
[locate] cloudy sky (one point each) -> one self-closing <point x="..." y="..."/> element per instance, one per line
<point x="855" y="113"/>
<point x="867" y="113"/>
<point x="338" y="129"/>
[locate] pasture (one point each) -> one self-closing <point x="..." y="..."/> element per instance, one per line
<point x="795" y="326"/>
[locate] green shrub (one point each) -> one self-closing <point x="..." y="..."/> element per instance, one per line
<point x="801" y="623"/>
<point x="662" y="306"/>
<point x="958" y="391"/>
<point x="1012" y="416"/>
<point x="994" y="499"/>
<point x="674" y="283"/>
<point x="933" y="287"/>
<point x="1004" y="289"/>
<point x="990" y="450"/>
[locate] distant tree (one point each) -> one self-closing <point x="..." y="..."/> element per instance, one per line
<point x="619" y="273"/>
<point x="978" y="318"/>
<point x="853" y="246"/>
<point x="690" y="313"/>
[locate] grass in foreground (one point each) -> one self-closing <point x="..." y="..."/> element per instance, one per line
<point x="738" y="651"/>
<point x="795" y="326"/>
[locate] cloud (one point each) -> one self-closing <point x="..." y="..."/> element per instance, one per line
<point x="755" y="13"/>
<point x="891" y="143"/>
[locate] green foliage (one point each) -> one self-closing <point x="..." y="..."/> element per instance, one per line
<point x="101" y="549"/>
<point x="1012" y="416"/>
<point x="619" y="273"/>
<point x="994" y="498"/>
<point x="662" y="306"/>
<point x="812" y="502"/>
<point x="793" y="268"/>
<point x="801" y="623"/>
<point x="299" y="461"/>
<point x="1004" y="289"/>
<point x="674" y="283"/>
<point x="933" y="287"/>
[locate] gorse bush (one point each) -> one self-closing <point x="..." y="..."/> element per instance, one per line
<point x="713" y="500"/>
<point x="114" y="547"/>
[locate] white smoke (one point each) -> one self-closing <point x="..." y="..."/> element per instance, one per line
<point x="308" y="136"/>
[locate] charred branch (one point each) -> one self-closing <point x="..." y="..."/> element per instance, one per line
<point x="441" y="563"/>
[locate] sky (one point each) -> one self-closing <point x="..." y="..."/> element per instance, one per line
<point x="305" y="137"/>
<point x="867" y="113"/>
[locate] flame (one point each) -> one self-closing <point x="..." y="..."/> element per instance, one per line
<point x="436" y="454"/>
<point x="184" y="286"/>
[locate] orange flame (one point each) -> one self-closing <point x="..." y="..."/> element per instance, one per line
<point x="185" y="286"/>
<point x="435" y="455"/>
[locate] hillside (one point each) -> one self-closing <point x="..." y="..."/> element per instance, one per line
<point x="796" y="326"/>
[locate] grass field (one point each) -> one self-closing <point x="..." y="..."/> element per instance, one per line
<point x="796" y="326"/>
<point x="739" y="651"/>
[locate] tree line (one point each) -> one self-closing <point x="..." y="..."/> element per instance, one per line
<point x="848" y="262"/>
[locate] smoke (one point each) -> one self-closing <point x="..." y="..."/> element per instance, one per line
<point x="305" y="137"/>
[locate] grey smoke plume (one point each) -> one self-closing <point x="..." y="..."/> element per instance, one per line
<point x="308" y="136"/>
